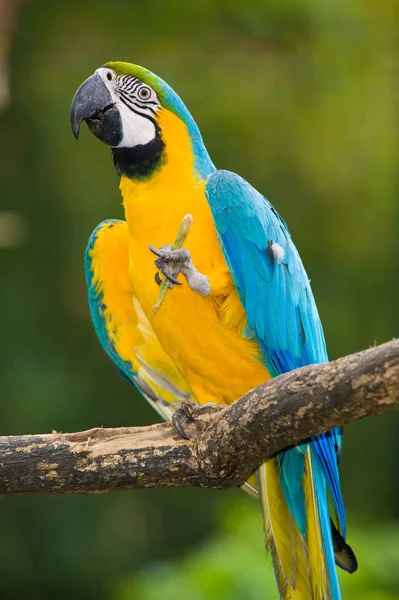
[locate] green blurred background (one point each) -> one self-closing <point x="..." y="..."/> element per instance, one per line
<point x="301" y="98"/>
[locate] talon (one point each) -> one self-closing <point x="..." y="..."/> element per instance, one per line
<point x="155" y="251"/>
<point x="172" y="262"/>
<point x="179" y="427"/>
<point x="188" y="409"/>
<point x="172" y="279"/>
<point x="185" y="411"/>
<point x="158" y="278"/>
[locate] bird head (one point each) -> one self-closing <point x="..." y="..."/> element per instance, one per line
<point x="127" y="107"/>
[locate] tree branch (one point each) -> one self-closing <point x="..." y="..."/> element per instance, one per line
<point x="226" y="444"/>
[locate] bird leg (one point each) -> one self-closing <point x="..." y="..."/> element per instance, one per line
<point x="189" y="412"/>
<point x="172" y="262"/>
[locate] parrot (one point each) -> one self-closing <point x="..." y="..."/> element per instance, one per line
<point x="237" y="307"/>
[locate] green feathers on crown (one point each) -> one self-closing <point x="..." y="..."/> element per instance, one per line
<point x="144" y="75"/>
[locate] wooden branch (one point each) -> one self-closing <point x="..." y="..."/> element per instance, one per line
<point x="226" y="445"/>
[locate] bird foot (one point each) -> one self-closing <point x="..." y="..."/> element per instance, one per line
<point x="172" y="262"/>
<point x="188" y="413"/>
<point x="184" y="413"/>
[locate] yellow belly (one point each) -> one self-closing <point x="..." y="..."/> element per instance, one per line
<point x="203" y="336"/>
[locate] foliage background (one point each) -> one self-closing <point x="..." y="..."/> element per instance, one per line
<point x="301" y="98"/>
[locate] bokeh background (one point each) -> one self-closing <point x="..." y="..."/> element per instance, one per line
<point x="301" y="98"/>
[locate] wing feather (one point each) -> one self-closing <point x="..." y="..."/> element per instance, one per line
<point x="275" y="291"/>
<point x="280" y="309"/>
<point x="121" y="325"/>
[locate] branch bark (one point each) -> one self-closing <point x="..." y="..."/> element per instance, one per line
<point x="226" y="443"/>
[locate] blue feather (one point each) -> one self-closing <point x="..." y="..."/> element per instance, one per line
<point x="323" y="447"/>
<point x="279" y="306"/>
<point x="325" y="525"/>
<point x="292" y="465"/>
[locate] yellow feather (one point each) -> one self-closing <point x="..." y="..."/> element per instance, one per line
<point x="283" y="538"/>
<point x="317" y="566"/>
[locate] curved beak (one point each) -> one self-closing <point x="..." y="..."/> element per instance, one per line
<point x="93" y="103"/>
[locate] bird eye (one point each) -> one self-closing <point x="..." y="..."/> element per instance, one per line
<point x="144" y="93"/>
<point x="109" y="76"/>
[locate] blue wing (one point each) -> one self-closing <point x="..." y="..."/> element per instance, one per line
<point x="276" y="294"/>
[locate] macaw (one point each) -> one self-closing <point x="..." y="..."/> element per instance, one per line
<point x="238" y="309"/>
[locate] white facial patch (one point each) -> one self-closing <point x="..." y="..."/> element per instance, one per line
<point x="278" y="252"/>
<point x="136" y="128"/>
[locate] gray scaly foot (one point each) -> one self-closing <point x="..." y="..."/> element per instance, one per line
<point x="172" y="262"/>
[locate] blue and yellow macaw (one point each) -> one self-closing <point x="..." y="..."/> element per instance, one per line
<point x="238" y="310"/>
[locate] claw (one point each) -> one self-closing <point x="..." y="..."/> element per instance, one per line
<point x="188" y="409"/>
<point x="171" y="278"/>
<point x="167" y="270"/>
<point x="185" y="411"/>
<point x="158" y="278"/>
<point x="179" y="427"/>
<point x="172" y="262"/>
<point x="155" y="251"/>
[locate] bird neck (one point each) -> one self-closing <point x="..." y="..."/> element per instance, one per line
<point x="142" y="161"/>
<point x="168" y="188"/>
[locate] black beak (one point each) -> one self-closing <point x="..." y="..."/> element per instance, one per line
<point x="93" y="103"/>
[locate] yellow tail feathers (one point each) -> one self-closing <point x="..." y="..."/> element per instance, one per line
<point x="317" y="566"/>
<point x="283" y="539"/>
<point x="298" y="560"/>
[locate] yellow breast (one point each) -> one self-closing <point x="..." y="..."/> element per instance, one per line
<point x="203" y="336"/>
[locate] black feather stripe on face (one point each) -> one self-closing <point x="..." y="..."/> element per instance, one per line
<point x="141" y="161"/>
<point x="127" y="89"/>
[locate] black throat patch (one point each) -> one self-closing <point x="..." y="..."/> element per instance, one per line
<point x="141" y="161"/>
